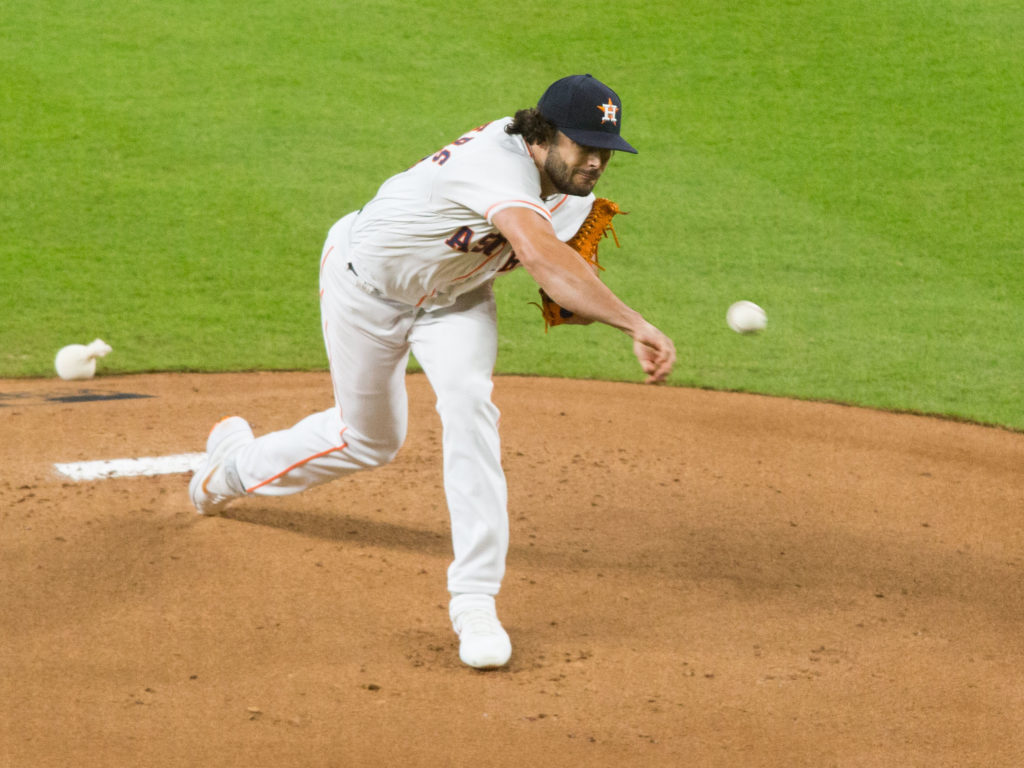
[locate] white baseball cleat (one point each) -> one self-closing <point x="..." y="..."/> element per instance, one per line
<point x="483" y="642"/>
<point x="216" y="481"/>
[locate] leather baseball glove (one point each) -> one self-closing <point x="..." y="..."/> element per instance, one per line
<point x="594" y="228"/>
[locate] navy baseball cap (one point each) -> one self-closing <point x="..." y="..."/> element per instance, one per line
<point x="586" y="110"/>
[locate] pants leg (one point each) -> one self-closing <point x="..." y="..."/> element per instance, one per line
<point x="457" y="348"/>
<point x="367" y="346"/>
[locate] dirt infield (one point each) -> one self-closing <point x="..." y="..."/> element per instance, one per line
<point x="695" y="579"/>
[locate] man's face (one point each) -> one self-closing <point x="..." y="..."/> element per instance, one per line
<point x="573" y="168"/>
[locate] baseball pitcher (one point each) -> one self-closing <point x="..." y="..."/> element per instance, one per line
<point x="412" y="271"/>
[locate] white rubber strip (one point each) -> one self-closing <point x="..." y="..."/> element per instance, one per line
<point x="154" y="465"/>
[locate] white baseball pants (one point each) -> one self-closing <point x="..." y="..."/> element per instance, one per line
<point x="368" y="340"/>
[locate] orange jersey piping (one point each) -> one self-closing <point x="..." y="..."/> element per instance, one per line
<point x="297" y="464"/>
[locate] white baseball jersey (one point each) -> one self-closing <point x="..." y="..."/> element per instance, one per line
<point x="427" y="237"/>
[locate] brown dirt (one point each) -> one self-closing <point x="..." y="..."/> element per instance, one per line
<point x="695" y="578"/>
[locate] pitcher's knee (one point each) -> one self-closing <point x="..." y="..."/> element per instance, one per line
<point x="466" y="395"/>
<point x="385" y="455"/>
<point x="373" y="451"/>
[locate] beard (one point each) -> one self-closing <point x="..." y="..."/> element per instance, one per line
<point x="566" y="180"/>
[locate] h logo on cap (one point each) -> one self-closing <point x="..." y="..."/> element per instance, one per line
<point x="610" y="111"/>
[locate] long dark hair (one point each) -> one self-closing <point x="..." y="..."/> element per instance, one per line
<point x="532" y="126"/>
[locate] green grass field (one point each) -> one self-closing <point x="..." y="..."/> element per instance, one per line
<point x="170" y="171"/>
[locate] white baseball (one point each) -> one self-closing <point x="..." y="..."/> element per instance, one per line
<point x="746" y="317"/>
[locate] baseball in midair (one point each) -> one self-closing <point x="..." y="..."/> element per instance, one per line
<point x="746" y="317"/>
<point x="77" y="362"/>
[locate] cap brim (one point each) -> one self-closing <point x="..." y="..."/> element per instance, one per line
<point x="599" y="139"/>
